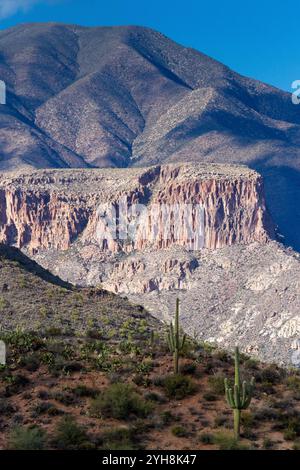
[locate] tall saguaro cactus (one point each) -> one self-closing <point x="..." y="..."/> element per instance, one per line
<point x="240" y="396"/>
<point x="176" y="343"/>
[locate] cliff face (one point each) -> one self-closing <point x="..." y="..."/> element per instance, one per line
<point x="200" y="232"/>
<point x="193" y="206"/>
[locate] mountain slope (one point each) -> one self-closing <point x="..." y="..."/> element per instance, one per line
<point x="127" y="96"/>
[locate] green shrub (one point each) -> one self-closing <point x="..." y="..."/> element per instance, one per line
<point x="289" y="434"/>
<point x="68" y="435"/>
<point x="251" y="364"/>
<point x="226" y="441"/>
<point x="206" y="438"/>
<point x="167" y="417"/>
<point x="216" y="384"/>
<point x="120" y="439"/>
<point x="178" y="386"/>
<point x="271" y="374"/>
<point x="209" y="396"/>
<point x="27" y="438"/>
<point x="179" y="431"/>
<point x="293" y="383"/>
<point x="267" y="443"/>
<point x="120" y="401"/>
<point x="30" y="362"/>
<point x="188" y="369"/>
<point x="296" y="445"/>
<point x="83" y="391"/>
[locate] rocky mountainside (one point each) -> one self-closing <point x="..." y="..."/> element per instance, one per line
<point x="237" y="286"/>
<point x="129" y="96"/>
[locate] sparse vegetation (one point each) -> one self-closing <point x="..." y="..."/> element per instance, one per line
<point x="105" y="362"/>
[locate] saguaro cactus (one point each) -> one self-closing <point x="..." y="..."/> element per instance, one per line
<point x="240" y="396"/>
<point x="176" y="343"/>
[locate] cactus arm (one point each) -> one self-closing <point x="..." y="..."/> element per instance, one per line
<point x="237" y="367"/>
<point x="244" y="393"/>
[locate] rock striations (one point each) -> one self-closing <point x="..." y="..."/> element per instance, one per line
<point x="189" y="205"/>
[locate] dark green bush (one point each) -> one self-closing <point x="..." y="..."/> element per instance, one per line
<point x="120" y="401"/>
<point x="68" y="435"/>
<point x="120" y="439"/>
<point x="226" y="441"/>
<point x="216" y="384"/>
<point x="179" y="431"/>
<point x="27" y="438"/>
<point x="206" y="438"/>
<point x="188" y="368"/>
<point x="178" y="386"/>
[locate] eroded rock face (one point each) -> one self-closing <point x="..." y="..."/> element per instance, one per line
<point x="238" y="287"/>
<point x="194" y="206"/>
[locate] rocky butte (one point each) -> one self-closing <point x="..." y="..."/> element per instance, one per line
<point x="236" y="283"/>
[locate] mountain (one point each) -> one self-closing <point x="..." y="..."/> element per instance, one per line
<point x="128" y="96"/>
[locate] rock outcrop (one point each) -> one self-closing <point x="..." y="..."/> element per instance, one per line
<point x="194" y="206"/>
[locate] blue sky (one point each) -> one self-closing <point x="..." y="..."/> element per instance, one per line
<point x="256" y="38"/>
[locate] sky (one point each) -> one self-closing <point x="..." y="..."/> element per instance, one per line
<point x="258" y="38"/>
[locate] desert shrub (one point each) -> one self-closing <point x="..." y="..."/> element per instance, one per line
<point x="167" y="417"/>
<point x="84" y="391"/>
<point x="30" y="362"/>
<point x="267" y="443"/>
<point x="6" y="409"/>
<point x="293" y="383"/>
<point x="120" y="401"/>
<point x="226" y="441"/>
<point x="222" y="356"/>
<point x="266" y="414"/>
<point x="144" y="367"/>
<point x="251" y="364"/>
<point x="271" y="374"/>
<point x="209" y="396"/>
<point x="289" y="434"/>
<point x="53" y="331"/>
<point x="247" y="419"/>
<point x="267" y="387"/>
<point x="156" y="397"/>
<point x="15" y="383"/>
<point x="222" y="420"/>
<point x="178" y="386"/>
<point x="65" y="397"/>
<point x="94" y="334"/>
<point x="45" y="408"/>
<point x="188" y="368"/>
<point x="27" y="438"/>
<point x="22" y="342"/>
<point x="216" y="384"/>
<point x="68" y="435"/>
<point x="120" y="439"/>
<point x="296" y="445"/>
<point x="206" y="438"/>
<point x="43" y="394"/>
<point x="179" y="431"/>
